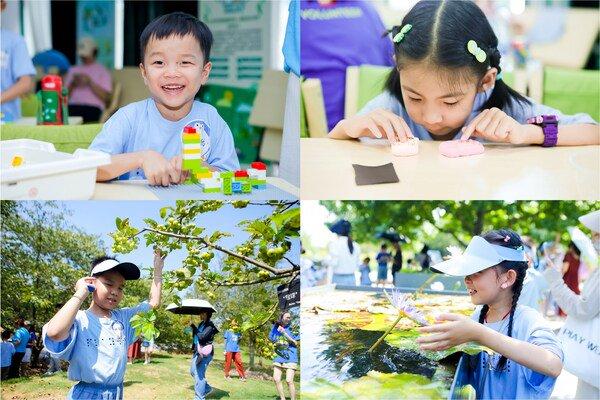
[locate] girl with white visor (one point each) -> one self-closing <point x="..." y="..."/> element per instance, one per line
<point x="527" y="356"/>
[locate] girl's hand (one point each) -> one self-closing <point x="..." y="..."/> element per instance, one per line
<point x="378" y="124"/>
<point x="280" y="329"/>
<point x="496" y="126"/>
<point x="458" y="330"/>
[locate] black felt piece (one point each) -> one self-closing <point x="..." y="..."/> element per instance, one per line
<point x="366" y="175"/>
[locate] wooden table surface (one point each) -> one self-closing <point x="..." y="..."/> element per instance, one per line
<point x="503" y="172"/>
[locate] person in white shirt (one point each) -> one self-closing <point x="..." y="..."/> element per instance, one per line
<point x="584" y="306"/>
<point x="344" y="255"/>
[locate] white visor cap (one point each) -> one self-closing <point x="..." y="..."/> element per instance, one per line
<point x="479" y="255"/>
<point x="129" y="270"/>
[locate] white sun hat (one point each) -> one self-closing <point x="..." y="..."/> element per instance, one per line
<point x="130" y="271"/>
<point x="591" y="220"/>
<point x="479" y="255"/>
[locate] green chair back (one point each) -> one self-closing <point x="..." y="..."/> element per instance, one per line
<point x="572" y="91"/>
<point x="66" y="138"/>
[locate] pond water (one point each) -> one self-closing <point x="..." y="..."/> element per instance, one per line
<point x="338" y="327"/>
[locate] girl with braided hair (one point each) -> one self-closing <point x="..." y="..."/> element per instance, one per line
<point x="527" y="356"/>
<point x="448" y="85"/>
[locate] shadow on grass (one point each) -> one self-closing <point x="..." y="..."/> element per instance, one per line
<point x="215" y="394"/>
<point x="129" y="383"/>
<point x="163" y="355"/>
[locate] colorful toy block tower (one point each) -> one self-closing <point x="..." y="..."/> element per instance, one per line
<point x="192" y="151"/>
<point x="258" y="175"/>
<point x="53" y="105"/>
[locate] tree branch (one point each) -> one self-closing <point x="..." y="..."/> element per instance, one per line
<point x="248" y="283"/>
<point x="249" y="260"/>
<point x="295" y="266"/>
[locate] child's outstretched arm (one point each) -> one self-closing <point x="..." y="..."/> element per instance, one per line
<point x="375" y="124"/>
<point x="155" y="289"/>
<point x="497" y="126"/>
<point x="58" y="327"/>
<point x="461" y="329"/>
<point x="158" y="170"/>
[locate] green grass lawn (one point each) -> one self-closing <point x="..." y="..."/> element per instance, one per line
<point x="167" y="377"/>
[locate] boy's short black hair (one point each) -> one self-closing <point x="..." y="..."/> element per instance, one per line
<point x="6" y="334"/>
<point x="98" y="260"/>
<point x="179" y="24"/>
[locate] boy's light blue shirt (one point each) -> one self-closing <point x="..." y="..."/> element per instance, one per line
<point x="515" y="381"/>
<point x="97" y="347"/>
<point x="23" y="336"/>
<point x="14" y="63"/>
<point x="140" y="126"/>
<point x="7" y="350"/>
<point x="518" y="111"/>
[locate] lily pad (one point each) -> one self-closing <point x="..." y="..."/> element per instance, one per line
<point x="403" y="335"/>
<point x="377" y="385"/>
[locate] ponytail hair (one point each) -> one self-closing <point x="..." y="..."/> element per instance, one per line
<point x="439" y="35"/>
<point x="350" y="244"/>
<point x="510" y="239"/>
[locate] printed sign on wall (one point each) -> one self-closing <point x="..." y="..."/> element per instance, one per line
<point x="241" y="31"/>
<point x="96" y="19"/>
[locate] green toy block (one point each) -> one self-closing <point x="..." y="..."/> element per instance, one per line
<point x="246" y="186"/>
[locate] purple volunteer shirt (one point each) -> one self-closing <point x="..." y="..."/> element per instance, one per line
<point x="337" y="36"/>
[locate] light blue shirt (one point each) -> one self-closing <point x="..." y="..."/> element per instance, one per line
<point x="140" y="126"/>
<point x="97" y="347"/>
<point x="291" y="42"/>
<point x="14" y="63"/>
<point x="232" y="341"/>
<point x="518" y="111"/>
<point x="7" y="350"/>
<point x="515" y="381"/>
<point x="23" y="336"/>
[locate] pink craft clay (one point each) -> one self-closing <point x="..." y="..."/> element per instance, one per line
<point x="461" y="148"/>
<point x="408" y="148"/>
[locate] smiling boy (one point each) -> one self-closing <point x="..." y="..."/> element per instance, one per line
<point x="144" y="138"/>
<point x="95" y="341"/>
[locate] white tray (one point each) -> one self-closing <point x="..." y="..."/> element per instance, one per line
<point x="48" y="174"/>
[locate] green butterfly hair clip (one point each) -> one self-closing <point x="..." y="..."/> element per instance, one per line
<point x="400" y="35"/>
<point x="476" y="51"/>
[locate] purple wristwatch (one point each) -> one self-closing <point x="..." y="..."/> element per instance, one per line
<point x="549" y="124"/>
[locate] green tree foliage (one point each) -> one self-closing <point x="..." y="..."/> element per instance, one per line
<point x="260" y="260"/>
<point x="42" y="257"/>
<point x="458" y="221"/>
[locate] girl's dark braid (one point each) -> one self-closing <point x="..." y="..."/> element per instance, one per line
<point x="517" y="287"/>
<point x="483" y="313"/>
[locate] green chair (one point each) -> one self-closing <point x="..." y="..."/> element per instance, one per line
<point x="363" y="83"/>
<point x="572" y="91"/>
<point x="66" y="138"/>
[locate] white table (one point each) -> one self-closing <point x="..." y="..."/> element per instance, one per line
<point x="503" y="172"/>
<point x="137" y="190"/>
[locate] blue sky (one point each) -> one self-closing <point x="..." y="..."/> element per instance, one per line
<point x="98" y="218"/>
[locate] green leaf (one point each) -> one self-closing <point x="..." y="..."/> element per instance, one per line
<point x="163" y="212"/>
<point x="377" y="385"/>
<point x="119" y="223"/>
